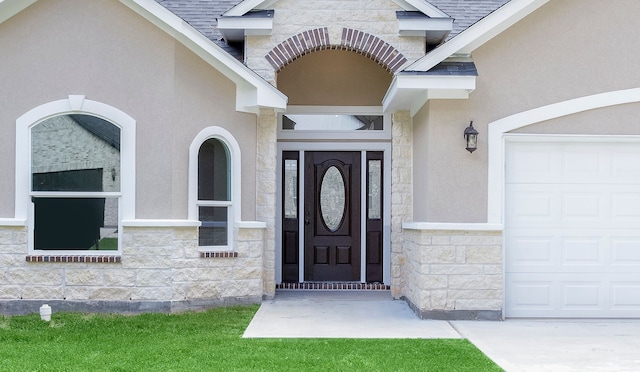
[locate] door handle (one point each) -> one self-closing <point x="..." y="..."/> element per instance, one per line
<point x="306" y="222"/>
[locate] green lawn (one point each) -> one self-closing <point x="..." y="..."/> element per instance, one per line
<point x="209" y="341"/>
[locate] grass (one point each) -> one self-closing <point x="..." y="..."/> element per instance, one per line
<point x="106" y="244"/>
<point x="209" y="341"/>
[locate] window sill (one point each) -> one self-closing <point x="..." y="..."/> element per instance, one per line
<point x="70" y="258"/>
<point x="219" y="254"/>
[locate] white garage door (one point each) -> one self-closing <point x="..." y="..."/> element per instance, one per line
<point x="572" y="229"/>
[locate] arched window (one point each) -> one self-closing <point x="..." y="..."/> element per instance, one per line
<point x="214" y="187"/>
<point x="214" y="196"/>
<point x="75" y="176"/>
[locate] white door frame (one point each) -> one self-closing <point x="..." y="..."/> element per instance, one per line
<point x="363" y="147"/>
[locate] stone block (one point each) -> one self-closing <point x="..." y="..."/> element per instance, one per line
<point x="111" y="293"/>
<point x="216" y="274"/>
<point x="10" y="291"/>
<point x="153" y="278"/>
<point x="433" y="281"/>
<point x="33" y="275"/>
<point x="203" y="289"/>
<point x="188" y="274"/>
<point x="477" y="240"/>
<point x="438" y="300"/>
<point x="84" y="277"/>
<point x="486" y="254"/>
<point x="457" y="269"/>
<point x="185" y="233"/>
<point x="492" y="269"/>
<point x="77" y="293"/>
<point x="438" y="254"/>
<point x="151" y="293"/>
<point x="119" y="277"/>
<point x="42" y="292"/>
<point x="146" y="262"/>
<point x="475" y="282"/>
<point x="164" y="239"/>
<point x="247" y="273"/>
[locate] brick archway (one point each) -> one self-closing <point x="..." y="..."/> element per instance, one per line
<point x="353" y="40"/>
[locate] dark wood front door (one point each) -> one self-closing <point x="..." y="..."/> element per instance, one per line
<point x="332" y="216"/>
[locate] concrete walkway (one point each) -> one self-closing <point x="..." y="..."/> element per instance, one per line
<point x="515" y="345"/>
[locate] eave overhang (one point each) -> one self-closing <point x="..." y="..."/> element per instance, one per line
<point x="435" y="30"/>
<point x="235" y="28"/>
<point x="410" y="91"/>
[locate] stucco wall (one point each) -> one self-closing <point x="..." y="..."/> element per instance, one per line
<point x="562" y="51"/>
<point x="105" y="51"/>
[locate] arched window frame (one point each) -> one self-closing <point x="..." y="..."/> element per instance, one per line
<point x="234" y="159"/>
<point x="74" y="104"/>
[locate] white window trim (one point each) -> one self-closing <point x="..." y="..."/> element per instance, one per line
<point x="235" y="163"/>
<point x="498" y="130"/>
<point x="74" y="104"/>
<point x="354" y="135"/>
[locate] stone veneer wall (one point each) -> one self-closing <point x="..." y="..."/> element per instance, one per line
<point x="376" y="17"/>
<point x="401" y="195"/>
<point x="160" y="269"/>
<point x="266" y="194"/>
<point x="454" y="274"/>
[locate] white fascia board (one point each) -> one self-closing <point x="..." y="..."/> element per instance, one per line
<point x="422" y="6"/>
<point x="411" y="92"/>
<point x="235" y="28"/>
<point x="246" y="6"/>
<point x="248" y="83"/>
<point x="479" y="33"/>
<point x="9" y="8"/>
<point x="419" y="26"/>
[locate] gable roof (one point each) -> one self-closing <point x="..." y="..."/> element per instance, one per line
<point x="252" y="91"/>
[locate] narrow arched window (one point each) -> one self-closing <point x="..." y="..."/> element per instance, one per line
<point x="214" y="194"/>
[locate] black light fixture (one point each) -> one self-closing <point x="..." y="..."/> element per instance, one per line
<point x="471" y="136"/>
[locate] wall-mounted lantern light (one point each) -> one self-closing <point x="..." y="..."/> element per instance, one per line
<point x="471" y="136"/>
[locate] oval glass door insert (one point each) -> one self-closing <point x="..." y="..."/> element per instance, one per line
<point x="332" y="198"/>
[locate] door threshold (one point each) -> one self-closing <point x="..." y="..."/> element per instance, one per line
<point x="339" y="286"/>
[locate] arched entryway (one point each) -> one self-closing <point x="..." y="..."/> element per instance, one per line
<point x="334" y="152"/>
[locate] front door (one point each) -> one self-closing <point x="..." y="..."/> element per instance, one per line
<point x="332" y="216"/>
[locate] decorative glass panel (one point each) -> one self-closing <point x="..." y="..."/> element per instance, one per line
<point x="290" y="188"/>
<point x="213" y="230"/>
<point x="375" y="182"/>
<point x="332" y="198"/>
<point x="332" y="122"/>
<point x="75" y="153"/>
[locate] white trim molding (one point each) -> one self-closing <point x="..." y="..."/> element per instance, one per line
<point x="499" y="128"/>
<point x="75" y="104"/>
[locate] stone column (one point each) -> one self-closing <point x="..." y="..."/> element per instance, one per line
<point x="401" y="194"/>
<point x="266" y="193"/>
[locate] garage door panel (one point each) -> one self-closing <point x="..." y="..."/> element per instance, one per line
<point x="582" y="295"/>
<point x="572" y="229"/>
<point x="625" y="206"/>
<point x="625" y="295"/>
